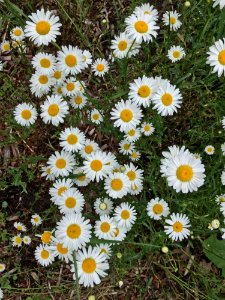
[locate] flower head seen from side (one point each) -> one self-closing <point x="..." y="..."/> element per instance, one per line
<point x="177" y="228"/>
<point x="100" y="67"/>
<point x="20" y="226"/>
<point x="147" y="9"/>
<point x="44" y="255"/>
<point x="171" y="18"/>
<point x="157" y="208"/>
<point x="106" y="249"/>
<point x="216" y="57"/>
<point x="176" y="53"/>
<point x="61" y="163"/>
<point x="25" y="114"/>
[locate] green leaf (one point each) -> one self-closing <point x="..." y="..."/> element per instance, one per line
<point x="214" y="249"/>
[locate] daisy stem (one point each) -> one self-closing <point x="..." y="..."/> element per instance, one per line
<point x="76" y="274"/>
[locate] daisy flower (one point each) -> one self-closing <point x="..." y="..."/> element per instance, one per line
<point x="134" y="174"/>
<point x="71" y="201"/>
<point x="123" y="46"/>
<point x="17" y="240"/>
<point x="136" y="189"/>
<point x="59" y="187"/>
<point x="58" y="76"/>
<point x="44" y="255"/>
<point x="117" y="185"/>
<point x="70" y="60"/>
<point x="26" y="240"/>
<point x="46" y="237"/>
<point x="54" y="110"/>
<point x="103" y="206"/>
<point x="91" y="265"/>
<point x="57" y="90"/>
<point x="81" y="178"/>
<point x="40" y="84"/>
<point x="135" y="155"/>
<point x="222" y="208"/>
<point x="5" y="46"/>
<point x="223" y="178"/>
<point x="96" y="116"/>
<point x="126" y="147"/>
<point x="2" y="267"/>
<point x="25" y="114"/>
<point x="126" y="115"/>
<point x="44" y="63"/>
<point x="73" y="231"/>
<point x="62" y="163"/>
<point x="125" y="215"/>
<point x="47" y="172"/>
<point x="147" y="128"/>
<point x="197" y="156"/>
<point x="17" y="34"/>
<point x="171" y="18"/>
<point x="221" y="3"/>
<point x="87" y="58"/>
<point x="209" y="150"/>
<point x="19" y="226"/>
<point x="223" y="148"/>
<point x="89" y="148"/>
<point x="43" y="27"/>
<point x="78" y="101"/>
<point x="58" y="250"/>
<point x="167" y="99"/>
<point x="175" y="53"/>
<point x="105" y="248"/>
<point x="100" y="67"/>
<point x="177" y="229"/>
<point x="71" y="87"/>
<point x="133" y="135"/>
<point x="141" y="27"/>
<point x="105" y="227"/>
<point x="36" y="220"/>
<point x="157" y="208"/>
<point x="142" y="90"/>
<point x="220" y="199"/>
<point x="72" y="139"/>
<point x="119" y="234"/>
<point x="148" y="9"/>
<point x="216" y="57"/>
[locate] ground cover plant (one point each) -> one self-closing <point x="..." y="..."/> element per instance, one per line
<point x="112" y="149"/>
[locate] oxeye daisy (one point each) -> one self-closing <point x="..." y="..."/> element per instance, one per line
<point x="147" y="128"/>
<point x="72" y="139"/>
<point x="133" y="135"/>
<point x="175" y="53"/>
<point x="59" y="187"/>
<point x="36" y="220"/>
<point x="91" y="265"/>
<point x="44" y="63"/>
<point x="47" y="172"/>
<point x="142" y="90"/>
<point x="105" y="248"/>
<point x="46" y="237"/>
<point x="223" y="148"/>
<point x="62" y="163"/>
<point x="209" y="150"/>
<point x="19" y="226"/>
<point x="105" y="227"/>
<point x="125" y="215"/>
<point x="223" y="177"/>
<point x="221" y="3"/>
<point x="126" y="147"/>
<point x="81" y="178"/>
<point x="70" y="87"/>
<point x="177" y="229"/>
<point x="167" y="99"/>
<point x="141" y="27"/>
<point x="96" y="116"/>
<point x="17" y="240"/>
<point x="86" y="58"/>
<point x="73" y="231"/>
<point x="216" y="57"/>
<point x="135" y="155"/>
<point x="89" y="148"/>
<point x="60" y="251"/>
<point x="123" y="46"/>
<point x="70" y="60"/>
<point x="40" y="84"/>
<point x="57" y="90"/>
<point x="197" y="156"/>
<point x="54" y="110"/>
<point x="171" y="18"/>
<point x="2" y="267"/>
<point x="100" y="67"/>
<point x="58" y="76"/>
<point x="117" y="185"/>
<point x="44" y="255"/>
<point x="78" y="101"/>
<point x="136" y="189"/>
<point x="119" y="234"/>
<point x="5" y="46"/>
<point x="25" y="114"/>
<point x="157" y="208"/>
<point x="103" y="206"/>
<point x="220" y="199"/>
<point x="43" y="27"/>
<point x="148" y="9"/>
<point x="26" y="240"/>
<point x="17" y="34"/>
<point x="71" y="201"/>
<point x="126" y="115"/>
<point x="134" y="174"/>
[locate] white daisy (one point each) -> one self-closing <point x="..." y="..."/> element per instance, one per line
<point x="81" y="179"/>
<point x="43" y="27"/>
<point x="216" y="57"/>
<point x="209" y="150"/>
<point x="125" y="215"/>
<point x="70" y="87"/>
<point x="72" y="139"/>
<point x="40" y="84"/>
<point x="223" y="178"/>
<point x="19" y="226"/>
<point x="59" y="187"/>
<point x="45" y="237"/>
<point x="54" y="110"/>
<point x="175" y="53"/>
<point x="44" y="255"/>
<point x="135" y="155"/>
<point x="157" y="208"/>
<point x="25" y="114"/>
<point x="70" y="60"/>
<point x="148" y="9"/>
<point x="117" y="185"/>
<point x="17" y="240"/>
<point x="105" y="248"/>
<point x="60" y="251"/>
<point x="177" y="229"/>
<point x="119" y="234"/>
<point x="123" y="46"/>
<point x="58" y="76"/>
<point x="220" y="199"/>
<point x="221" y="3"/>
<point x="36" y="220"/>
<point x="71" y="201"/>
<point x="96" y="116"/>
<point x="62" y="163"/>
<point x="5" y="46"/>
<point x="89" y="148"/>
<point x="17" y="34"/>
<point x="171" y="18"/>
<point x="2" y="267"/>
<point x="87" y="58"/>
<point x="105" y="227"/>
<point x="136" y="189"/>
<point x="44" y="63"/>
<point x="133" y="135"/>
<point x="100" y="67"/>
<point x="27" y="240"/>
<point x="223" y="148"/>
<point x="47" y="172"/>
<point x="57" y="90"/>
<point x="103" y="206"/>
<point x="147" y="128"/>
<point x="134" y="174"/>
<point x="126" y="147"/>
<point x="78" y="101"/>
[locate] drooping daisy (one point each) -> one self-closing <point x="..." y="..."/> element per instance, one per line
<point x="157" y="208"/>
<point x="105" y="227"/>
<point x="43" y="27"/>
<point x="54" y="110"/>
<point x="125" y="215"/>
<point x="147" y="128"/>
<point x="40" y="83"/>
<point x="17" y="240"/>
<point x="171" y="18"/>
<point x="209" y="150"/>
<point x="17" y="34"/>
<point x="221" y="3"/>
<point x="223" y="148"/>
<point x="100" y="67"/>
<point x="19" y="226"/>
<point x="148" y="9"/>
<point x="62" y="163"/>
<point x="126" y="147"/>
<point x="70" y="60"/>
<point x="133" y="135"/>
<point x="177" y="229"/>
<point x="71" y="87"/>
<point x="59" y="187"/>
<point x="44" y="63"/>
<point x="216" y="57"/>
<point x="223" y="178"/>
<point x="142" y="90"/>
<point x="91" y="265"/>
<point x="117" y="185"/>
<point x="19" y="45"/>
<point x="220" y="199"/>
<point x="96" y="116"/>
<point x="72" y="201"/>
<point x="123" y="46"/>
<point x="134" y="174"/>
<point x="89" y="148"/>
<point x="25" y="114"/>
<point x="126" y="115"/>
<point x="5" y="46"/>
<point x="106" y="249"/>
<point x="60" y="251"/>
<point x="36" y="220"/>
<point x="81" y="178"/>
<point x="175" y="53"/>
<point x="141" y="27"/>
<point x="87" y="58"/>
<point x="72" y="139"/>
<point x="44" y="255"/>
<point x="167" y="99"/>
<point x="78" y="101"/>
<point x="103" y="206"/>
<point x="2" y="267"/>
<point x="73" y="231"/>
<point x="27" y="240"/>
<point x="135" y="155"/>
<point x="47" y="172"/>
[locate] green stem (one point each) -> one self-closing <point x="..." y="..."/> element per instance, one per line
<point x="76" y="274"/>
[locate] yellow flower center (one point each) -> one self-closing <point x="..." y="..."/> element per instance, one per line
<point x="2" y="267"/>
<point x="61" y="249"/>
<point x="73" y="231"/>
<point x="173" y="20"/>
<point x="103" y="206"/>
<point x="48" y="171"/>
<point x="36" y="219"/>
<point x="18" y="240"/>
<point x="43" y="79"/>
<point x="131" y="132"/>
<point x="88" y="149"/>
<point x="6" y="47"/>
<point x="44" y="254"/>
<point x="126" y="115"/>
<point x="43" y="27"/>
<point x="100" y="67"/>
<point x="59" y="90"/>
<point x="72" y="139"/>
<point x="46" y="237"/>
<point x="157" y="209"/>
<point x="167" y="99"/>
<point x="71" y="60"/>
<point x="17" y="32"/>
<point x="177" y="226"/>
<point x="131" y="175"/>
<point x="122" y="45"/>
<point x="57" y="74"/>
<point x="105" y="227"/>
<point x="95" y="117"/>
<point x="96" y="165"/>
<point x="134" y="155"/>
<point x="141" y="26"/>
<point x="81" y="178"/>
<point x="144" y="91"/>
<point x="60" y="163"/>
<point x="70" y="86"/>
<point x="184" y="173"/>
<point x="117" y="184"/>
<point x="70" y="202"/>
<point x="19" y="227"/>
<point x="26" y="114"/>
<point x="103" y="251"/>
<point x="176" y="54"/>
<point x="209" y="149"/>
<point x="126" y="146"/>
<point x="53" y="110"/>
<point x="147" y="128"/>
<point x="45" y="63"/>
<point x="89" y="265"/>
<point x="125" y="214"/>
<point x="116" y="232"/>
<point x="221" y="57"/>
<point x="61" y="190"/>
<point x="78" y="100"/>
